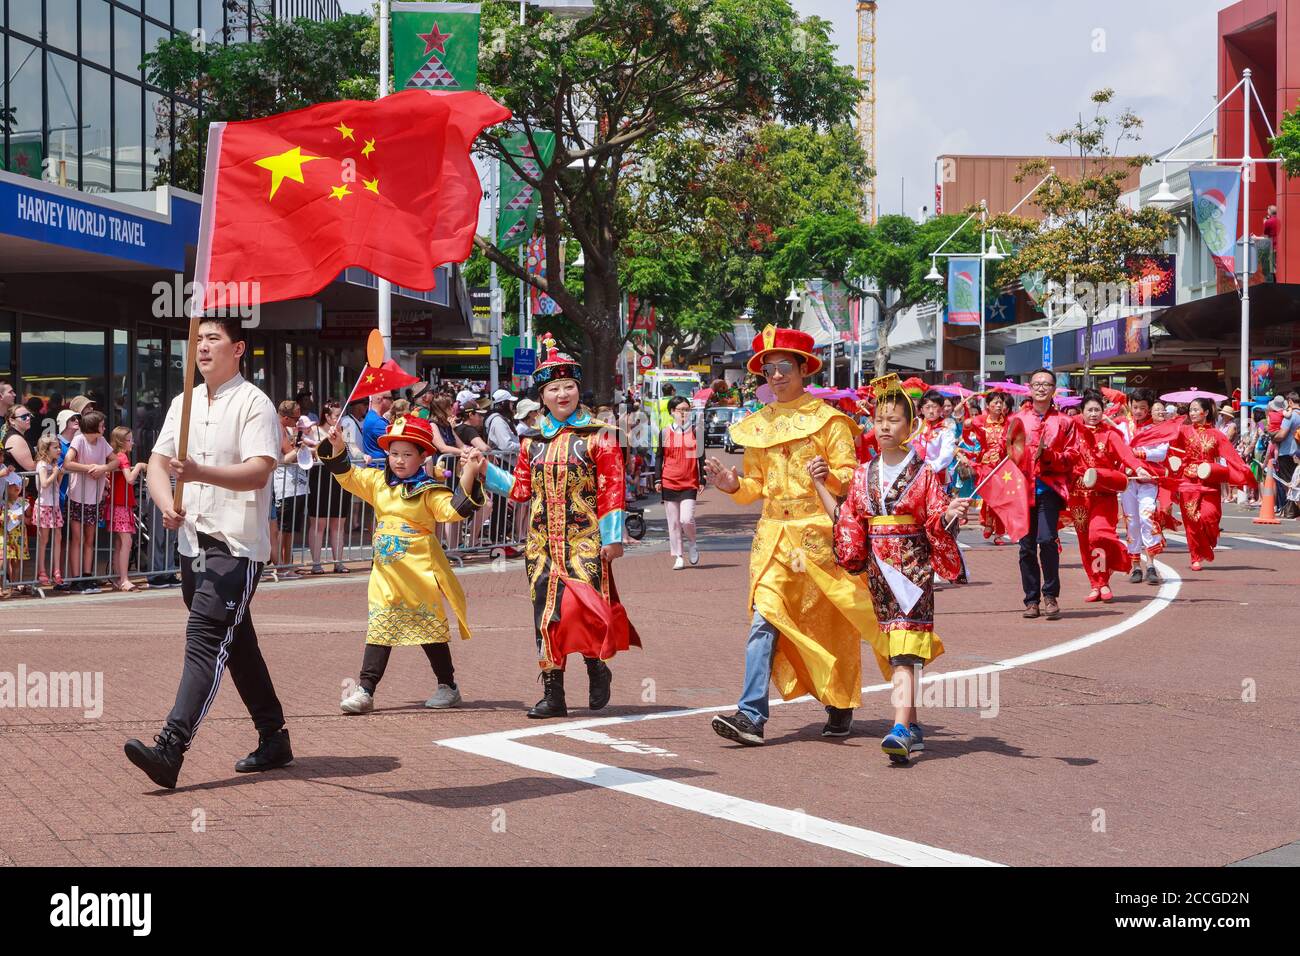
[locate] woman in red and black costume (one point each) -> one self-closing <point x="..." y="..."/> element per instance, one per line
<point x="1210" y="462"/>
<point x="1098" y="456"/>
<point x="988" y="432"/>
<point x="572" y="472"/>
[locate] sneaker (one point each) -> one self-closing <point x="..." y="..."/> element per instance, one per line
<point x="839" y="722"/>
<point x="272" y="751"/>
<point x="897" y="744"/>
<point x="1136" y="576"/>
<point x="360" y="701"/>
<point x="679" y="563"/>
<point x="1152" y="576"/>
<point x="161" y="762"/>
<point x="93" y="587"/>
<point x="447" y="695"/>
<point x="918" y="738"/>
<point x="694" y="553"/>
<point x="739" y="728"/>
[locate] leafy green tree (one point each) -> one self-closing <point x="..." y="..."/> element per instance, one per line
<point x="1087" y="235"/>
<point x="1286" y="145"/>
<point x="611" y="84"/>
<point x="885" y="262"/>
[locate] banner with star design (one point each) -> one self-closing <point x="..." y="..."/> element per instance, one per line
<point x="518" y="199"/>
<point x="290" y="201"/>
<point x="435" y="46"/>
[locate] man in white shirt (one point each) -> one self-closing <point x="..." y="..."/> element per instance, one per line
<point x="234" y="443"/>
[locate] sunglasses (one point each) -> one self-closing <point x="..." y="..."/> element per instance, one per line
<point x="23" y="418"/>
<point x="783" y="367"/>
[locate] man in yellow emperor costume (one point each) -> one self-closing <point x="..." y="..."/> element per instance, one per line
<point x="809" y="615"/>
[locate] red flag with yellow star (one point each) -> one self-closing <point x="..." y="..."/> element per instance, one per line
<point x="291" y="200"/>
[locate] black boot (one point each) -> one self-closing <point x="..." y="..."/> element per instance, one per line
<point x="162" y="762"/>
<point x="599" y="677"/>
<point x="552" y="702"/>
<point x="272" y="751"/>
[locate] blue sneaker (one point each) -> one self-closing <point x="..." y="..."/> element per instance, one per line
<point x="897" y="744"/>
<point x="918" y="738"/>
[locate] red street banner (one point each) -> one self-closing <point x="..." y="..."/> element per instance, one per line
<point x="291" y="200"/>
<point x="640" y="322"/>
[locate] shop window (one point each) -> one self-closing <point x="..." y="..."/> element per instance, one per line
<point x="61" y="24"/>
<point x="128" y="148"/>
<point x="176" y="367"/>
<point x="60" y="360"/>
<point x="26" y="147"/>
<point x="95" y="34"/>
<point x="119" y="381"/>
<point x="96" y="134"/>
<point x="7" y="346"/>
<point x="150" y="400"/>
<point x="64" y="154"/>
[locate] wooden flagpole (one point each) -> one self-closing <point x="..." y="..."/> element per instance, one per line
<point x="202" y="261"/>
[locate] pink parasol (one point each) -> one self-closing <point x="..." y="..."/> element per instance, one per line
<point x="1013" y="388"/>
<point x="1191" y="393"/>
<point x="833" y="394"/>
<point x="955" y="390"/>
<point x="1069" y="401"/>
<point x="703" y="395"/>
<point x="765" y="394"/>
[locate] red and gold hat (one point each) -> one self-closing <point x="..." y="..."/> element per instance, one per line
<point x="555" y="366"/>
<point x="772" y="339"/>
<point x="418" y="431"/>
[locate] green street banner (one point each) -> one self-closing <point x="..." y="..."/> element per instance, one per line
<point x="518" y="200"/>
<point x="435" y="46"/>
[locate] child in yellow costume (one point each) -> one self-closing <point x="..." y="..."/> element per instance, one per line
<point x="808" y="612"/>
<point x="410" y="576"/>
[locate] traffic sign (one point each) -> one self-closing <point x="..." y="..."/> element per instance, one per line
<point x="525" y="361"/>
<point x="1047" y="351"/>
<point x="645" y="362"/>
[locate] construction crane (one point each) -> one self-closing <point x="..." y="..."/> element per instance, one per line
<point x="867" y="104"/>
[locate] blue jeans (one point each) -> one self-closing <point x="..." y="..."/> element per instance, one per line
<point x="758" y="670"/>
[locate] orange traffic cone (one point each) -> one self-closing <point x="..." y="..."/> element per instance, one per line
<point x="1266" y="512"/>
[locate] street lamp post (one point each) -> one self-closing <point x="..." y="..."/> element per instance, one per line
<point x="1164" y="196"/>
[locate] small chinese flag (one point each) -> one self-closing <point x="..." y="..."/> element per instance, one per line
<point x="1006" y="492"/>
<point x="376" y="379"/>
<point x="388" y="185"/>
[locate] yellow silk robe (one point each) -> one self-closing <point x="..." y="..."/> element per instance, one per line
<point x="410" y="575"/>
<point x="820" y="611"/>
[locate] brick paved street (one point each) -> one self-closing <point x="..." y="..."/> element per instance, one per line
<point x="1137" y="749"/>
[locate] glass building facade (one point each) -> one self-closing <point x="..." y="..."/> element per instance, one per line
<point x="74" y="104"/>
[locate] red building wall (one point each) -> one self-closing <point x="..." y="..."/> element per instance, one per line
<point x="1263" y="36"/>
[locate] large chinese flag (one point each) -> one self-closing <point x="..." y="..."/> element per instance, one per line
<point x="388" y="185"/>
<point x="1006" y="492"/>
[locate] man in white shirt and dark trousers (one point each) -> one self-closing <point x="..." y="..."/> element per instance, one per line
<point x="234" y="444"/>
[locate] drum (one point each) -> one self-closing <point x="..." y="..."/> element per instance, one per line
<point x="1175" y="464"/>
<point x="1212" y="473"/>
<point x="1104" y="480"/>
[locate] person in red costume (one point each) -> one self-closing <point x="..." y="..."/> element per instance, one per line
<point x="1210" y="463"/>
<point x="1099" y="456"/>
<point x="988" y="431"/>
<point x="572" y="473"/>
<point x="1045" y="460"/>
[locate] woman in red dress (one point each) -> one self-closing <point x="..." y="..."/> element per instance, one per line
<point x="1098" y="456"/>
<point x="988" y="432"/>
<point x="1210" y="462"/>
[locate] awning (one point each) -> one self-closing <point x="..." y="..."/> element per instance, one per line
<point x="1218" y="317"/>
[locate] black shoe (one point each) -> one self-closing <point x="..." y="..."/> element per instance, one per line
<point x="552" y="702"/>
<point x="1152" y="577"/>
<point x="839" y="722"/>
<point x="164" y="581"/>
<point x="599" y="677"/>
<point x="77" y="587"/>
<point x="1136" y="576"/>
<point x="272" y="751"/>
<point x="739" y="728"/>
<point x="161" y="762"/>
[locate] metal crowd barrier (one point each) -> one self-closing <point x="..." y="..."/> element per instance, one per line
<point x="314" y="524"/>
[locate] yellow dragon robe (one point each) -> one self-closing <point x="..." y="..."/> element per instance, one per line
<point x="820" y="611"/>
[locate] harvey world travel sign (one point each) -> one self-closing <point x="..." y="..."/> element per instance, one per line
<point x="53" y="215"/>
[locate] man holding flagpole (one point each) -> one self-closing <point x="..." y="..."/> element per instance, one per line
<point x="233" y="447"/>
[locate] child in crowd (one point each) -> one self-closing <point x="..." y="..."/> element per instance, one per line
<point x="88" y="462"/>
<point x="895" y="525"/>
<point x="410" y="576"/>
<point x="15" y="534"/>
<point x="120" y="519"/>
<point x="49" y="514"/>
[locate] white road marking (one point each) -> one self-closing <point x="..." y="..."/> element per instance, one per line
<point x="761" y="816"/>
<point x="505" y="747"/>
<point x="626" y="746"/>
<point x="26" y="630"/>
<point x="1272" y="544"/>
<point x="1175" y="536"/>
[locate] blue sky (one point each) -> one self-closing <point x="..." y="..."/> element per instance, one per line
<point x="995" y="77"/>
